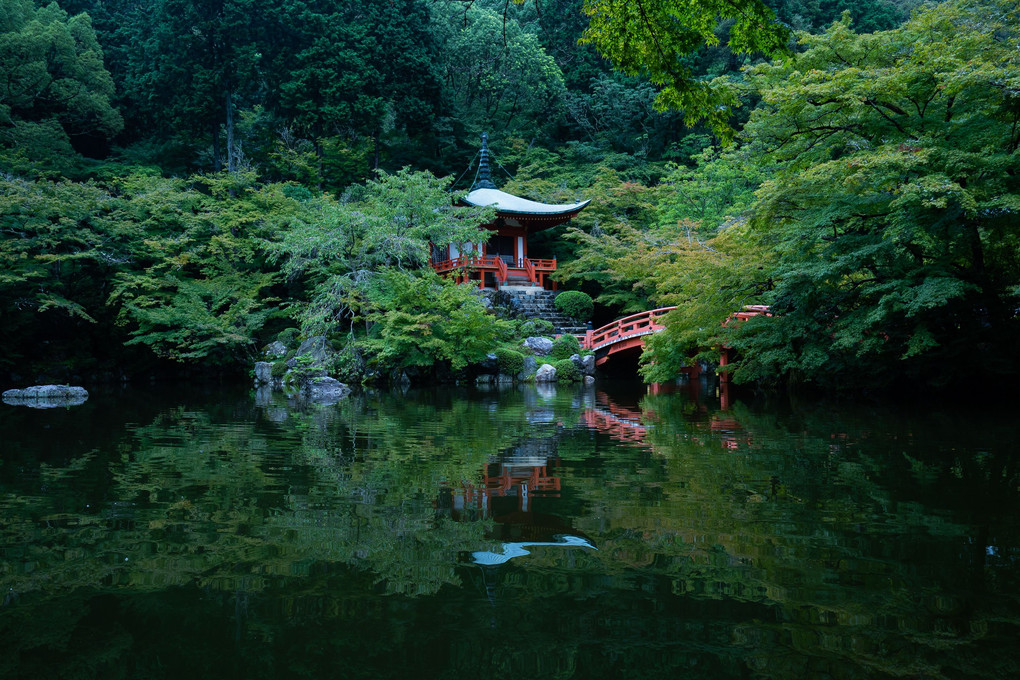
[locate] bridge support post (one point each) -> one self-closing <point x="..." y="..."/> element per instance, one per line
<point x="724" y="360"/>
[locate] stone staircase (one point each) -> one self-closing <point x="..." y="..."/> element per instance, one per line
<point x="536" y="303"/>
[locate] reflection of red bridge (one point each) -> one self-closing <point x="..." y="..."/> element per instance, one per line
<point x="619" y="422"/>
<point x="619" y="429"/>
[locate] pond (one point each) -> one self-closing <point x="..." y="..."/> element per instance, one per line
<point x="606" y="532"/>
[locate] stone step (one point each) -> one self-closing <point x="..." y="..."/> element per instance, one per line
<point x="534" y="302"/>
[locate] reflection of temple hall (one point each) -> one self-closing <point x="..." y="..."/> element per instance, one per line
<point x="503" y="259"/>
<point x="506" y="488"/>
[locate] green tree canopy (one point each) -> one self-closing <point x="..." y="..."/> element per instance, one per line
<point x="889" y="235"/>
<point x="657" y="38"/>
<point x="55" y="88"/>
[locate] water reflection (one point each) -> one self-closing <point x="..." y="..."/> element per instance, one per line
<point x="221" y="535"/>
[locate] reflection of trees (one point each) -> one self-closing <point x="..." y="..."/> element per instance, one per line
<point x="784" y="542"/>
<point x="233" y="498"/>
<point x="844" y="526"/>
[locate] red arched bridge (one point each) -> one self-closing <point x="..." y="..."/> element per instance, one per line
<point x="629" y="332"/>
<point x="623" y="334"/>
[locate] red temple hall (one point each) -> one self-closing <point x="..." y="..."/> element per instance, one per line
<point x="503" y="259"/>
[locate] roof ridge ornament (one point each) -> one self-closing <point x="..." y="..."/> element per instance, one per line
<point x="484" y="180"/>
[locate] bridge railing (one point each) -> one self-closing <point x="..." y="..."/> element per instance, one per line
<point x="631" y="326"/>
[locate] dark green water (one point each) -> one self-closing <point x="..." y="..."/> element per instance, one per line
<point x="519" y="533"/>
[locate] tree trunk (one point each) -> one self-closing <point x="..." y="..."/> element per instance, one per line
<point x="375" y="144"/>
<point x="216" y="157"/>
<point x="318" y="157"/>
<point x="231" y="151"/>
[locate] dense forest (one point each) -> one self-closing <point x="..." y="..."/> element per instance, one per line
<point x="183" y="181"/>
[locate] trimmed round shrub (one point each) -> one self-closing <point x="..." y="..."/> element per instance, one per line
<point x="279" y="368"/>
<point x="575" y="304"/>
<point x="566" y="371"/>
<point x="510" y="362"/>
<point x="288" y="336"/>
<point x="564" y="346"/>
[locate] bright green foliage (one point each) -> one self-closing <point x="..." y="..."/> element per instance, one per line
<point x="706" y="280"/>
<point x="602" y="238"/>
<point x="887" y="242"/>
<point x="575" y="304"/>
<point x="652" y="36"/>
<point x="339" y="247"/>
<point x="54" y="87"/>
<point x="566" y="371"/>
<point x="60" y="243"/>
<point x="510" y="362"/>
<point x="422" y="320"/>
<point x="565" y="346"/>
<point x="717" y="188"/>
<point x="198" y="286"/>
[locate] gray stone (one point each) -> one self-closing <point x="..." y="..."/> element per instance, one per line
<point x="545" y="373"/>
<point x="326" y="390"/>
<point x="588" y="365"/>
<point x="314" y="352"/>
<point x="46" y="396"/>
<point x="275" y="350"/>
<point x="576" y="360"/>
<point x="589" y="380"/>
<point x="530" y="366"/>
<point x="538" y="345"/>
<point x="484" y="379"/>
<point x="263" y="373"/>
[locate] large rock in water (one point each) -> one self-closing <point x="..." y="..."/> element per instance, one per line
<point x="545" y="373"/>
<point x="263" y="373"/>
<point x="326" y="390"/>
<point x="530" y="366"/>
<point x="539" y="345"/>
<point x="46" y="396"/>
<point x="585" y="365"/>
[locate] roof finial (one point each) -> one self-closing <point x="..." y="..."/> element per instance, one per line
<point x="484" y="180"/>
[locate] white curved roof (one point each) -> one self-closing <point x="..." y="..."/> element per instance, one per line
<point x="508" y="203"/>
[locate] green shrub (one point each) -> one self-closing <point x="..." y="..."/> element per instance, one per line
<point x="510" y="362"/>
<point x="564" y="346"/>
<point x="575" y="304"/>
<point x="279" y="368"/>
<point x="535" y="327"/>
<point x="566" y="371"/>
<point x="288" y="336"/>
